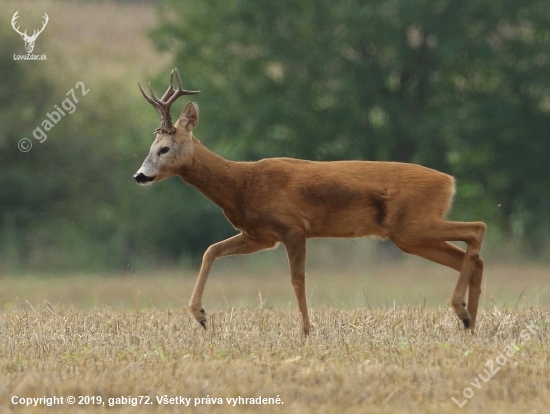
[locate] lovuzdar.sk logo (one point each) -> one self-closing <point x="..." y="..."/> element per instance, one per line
<point x="29" y="39"/>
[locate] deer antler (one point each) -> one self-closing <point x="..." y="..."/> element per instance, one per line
<point x="37" y="32"/>
<point x="13" y="21"/>
<point x="163" y="104"/>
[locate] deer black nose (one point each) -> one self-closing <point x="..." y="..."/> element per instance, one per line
<point x="142" y="178"/>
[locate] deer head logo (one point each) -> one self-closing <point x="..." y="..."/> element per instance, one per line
<point x="29" y="40"/>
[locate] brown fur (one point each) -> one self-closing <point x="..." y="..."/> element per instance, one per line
<point x="288" y="200"/>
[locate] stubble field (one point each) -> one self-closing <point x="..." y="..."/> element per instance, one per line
<point x="129" y="340"/>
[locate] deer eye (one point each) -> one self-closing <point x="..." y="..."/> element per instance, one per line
<point x="164" y="150"/>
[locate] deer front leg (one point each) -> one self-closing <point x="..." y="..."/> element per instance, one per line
<point x="295" y="245"/>
<point x="239" y="244"/>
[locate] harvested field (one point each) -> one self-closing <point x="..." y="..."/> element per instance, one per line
<point x="356" y="361"/>
<point x="383" y="340"/>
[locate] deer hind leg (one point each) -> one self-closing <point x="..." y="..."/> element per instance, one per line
<point x="474" y="291"/>
<point x="295" y="245"/>
<point x="239" y="244"/>
<point x="431" y="242"/>
<point x="452" y="256"/>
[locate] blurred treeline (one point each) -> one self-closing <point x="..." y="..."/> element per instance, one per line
<point x="459" y="86"/>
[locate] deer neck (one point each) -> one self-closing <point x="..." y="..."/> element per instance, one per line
<point x="215" y="177"/>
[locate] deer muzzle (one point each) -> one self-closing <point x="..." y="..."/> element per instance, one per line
<point x="142" y="178"/>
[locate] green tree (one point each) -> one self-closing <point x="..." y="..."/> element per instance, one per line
<point x="459" y="86"/>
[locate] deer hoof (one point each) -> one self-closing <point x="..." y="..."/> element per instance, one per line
<point x="199" y="314"/>
<point x="202" y="320"/>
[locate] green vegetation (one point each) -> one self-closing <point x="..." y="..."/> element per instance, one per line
<point x="463" y="88"/>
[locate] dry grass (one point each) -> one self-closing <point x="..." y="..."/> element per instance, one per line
<point x="357" y="361"/>
<point x="131" y="336"/>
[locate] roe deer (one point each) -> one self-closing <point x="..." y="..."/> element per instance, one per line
<point x="288" y="200"/>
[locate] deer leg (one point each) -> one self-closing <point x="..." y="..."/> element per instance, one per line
<point x="431" y="236"/>
<point x="471" y="257"/>
<point x="239" y="244"/>
<point x="474" y="291"/>
<point x="452" y="256"/>
<point x="295" y="245"/>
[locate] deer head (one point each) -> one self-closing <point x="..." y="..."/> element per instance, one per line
<point x="29" y="40"/>
<point x="173" y="144"/>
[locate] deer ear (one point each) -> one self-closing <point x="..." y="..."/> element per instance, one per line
<point x="189" y="117"/>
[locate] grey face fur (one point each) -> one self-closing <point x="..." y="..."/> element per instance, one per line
<point x="170" y="152"/>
